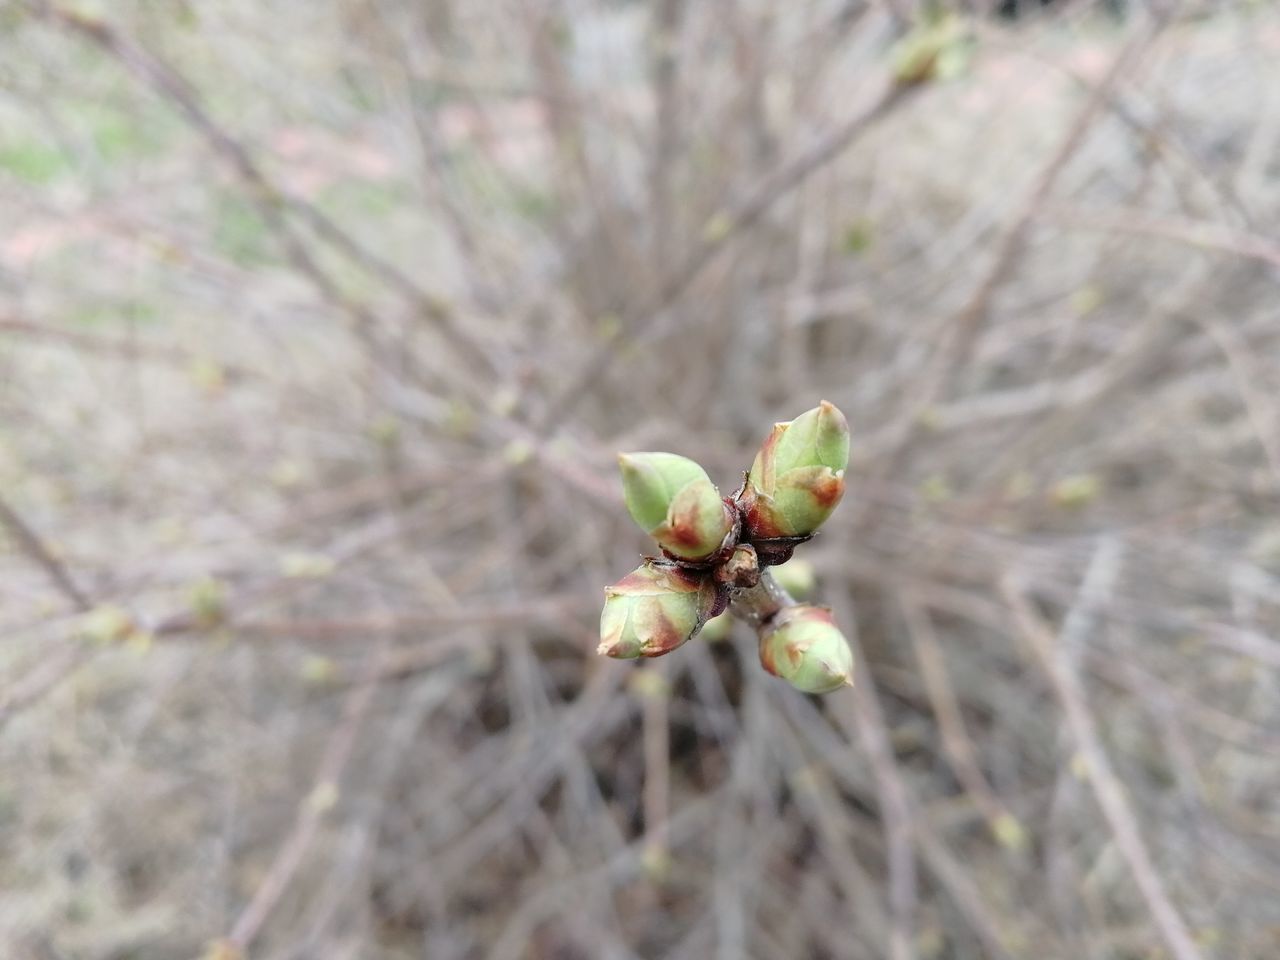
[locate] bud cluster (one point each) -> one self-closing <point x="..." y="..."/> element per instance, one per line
<point x="716" y="549"/>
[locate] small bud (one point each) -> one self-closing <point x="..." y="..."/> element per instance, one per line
<point x="222" y="950"/>
<point x="934" y="50"/>
<point x="208" y="600"/>
<point x="654" y="609"/>
<point x="107" y="624"/>
<point x="798" y="476"/>
<point x="675" y="502"/>
<point x="803" y="645"/>
<point x="1077" y="490"/>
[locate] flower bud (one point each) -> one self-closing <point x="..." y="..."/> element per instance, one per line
<point x="675" y="502"/>
<point x="654" y="609"/>
<point x="798" y="476"/>
<point x="803" y="645"/>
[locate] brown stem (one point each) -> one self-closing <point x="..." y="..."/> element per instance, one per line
<point x="759" y="604"/>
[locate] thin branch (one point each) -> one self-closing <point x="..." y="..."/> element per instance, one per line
<point x="956" y="742"/>
<point x="40" y="554"/>
<point x="1106" y="786"/>
<point x="550" y="610"/>
<point x="53" y="668"/>
<point x="318" y="801"/>
<point x="96" y="343"/>
<point x="1214" y="237"/>
<point x="759" y="200"/>
<point x="896" y="815"/>
<point x="57" y="666"/>
<point x="656" y="724"/>
<point x="958" y="332"/>
<point x="271" y="201"/>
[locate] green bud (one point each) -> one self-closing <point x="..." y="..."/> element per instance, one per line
<point x="675" y="502"/>
<point x="803" y="646"/>
<point x="653" y="610"/>
<point x="934" y="50"/>
<point x="797" y="478"/>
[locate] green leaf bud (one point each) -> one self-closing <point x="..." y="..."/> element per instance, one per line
<point x="797" y="478"/>
<point x="934" y="50"/>
<point x="803" y="646"/>
<point x="654" y="609"/>
<point x="675" y="502"/>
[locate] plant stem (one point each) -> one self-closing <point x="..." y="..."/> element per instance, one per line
<point x="757" y="605"/>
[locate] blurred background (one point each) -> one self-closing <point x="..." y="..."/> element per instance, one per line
<point x="321" y="324"/>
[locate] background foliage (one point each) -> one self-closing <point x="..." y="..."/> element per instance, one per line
<point x="321" y="324"/>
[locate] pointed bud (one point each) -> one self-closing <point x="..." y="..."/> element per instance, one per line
<point x="654" y="609"/>
<point x="675" y="502"/>
<point x="803" y="645"/>
<point x="798" y="476"/>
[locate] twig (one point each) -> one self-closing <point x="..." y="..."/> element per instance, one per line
<point x="762" y="196"/>
<point x="955" y="738"/>
<point x="665" y="79"/>
<point x="656" y="724"/>
<point x="896" y="814"/>
<point x="1102" y="779"/>
<point x="759" y="604"/>
<point x="95" y="343"/>
<point x="271" y="200"/>
<point x="959" y="331"/>
<point x="43" y="557"/>
<point x="551" y="610"/>
<point x="55" y="667"/>
<point x="959" y="883"/>
<point x="44" y="677"/>
<point x="1215" y="237"/>
<point x="311" y="811"/>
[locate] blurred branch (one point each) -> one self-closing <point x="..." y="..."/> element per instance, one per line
<point x="53" y="668"/>
<point x="721" y="231"/>
<point x="127" y="349"/>
<point x="43" y="556"/>
<point x="665" y="81"/>
<point x="1155" y="133"/>
<point x="269" y="198"/>
<point x="549" y="610"/>
<point x="656" y="734"/>
<point x="57" y="665"/>
<point x="317" y="803"/>
<point x="1107" y="788"/>
<point x="959" y="881"/>
<point x="956" y="334"/>
<point x="1213" y="237"/>
<point x="896" y="815"/>
<point x="955" y="738"/>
